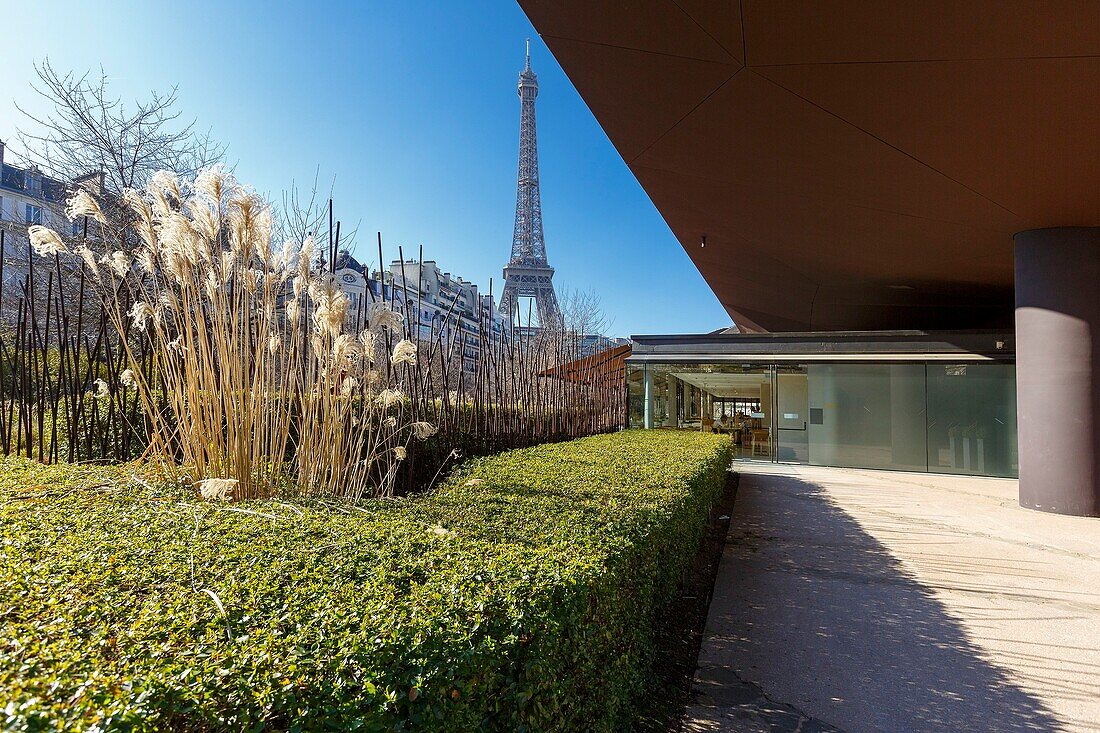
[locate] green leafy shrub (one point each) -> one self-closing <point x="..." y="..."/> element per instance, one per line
<point x="519" y="596"/>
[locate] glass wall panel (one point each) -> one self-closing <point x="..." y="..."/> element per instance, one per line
<point x="662" y="400"/>
<point x="867" y="415"/>
<point x="635" y="396"/>
<point x="733" y="399"/>
<point x="972" y="419"/>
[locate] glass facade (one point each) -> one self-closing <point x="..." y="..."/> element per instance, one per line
<point x="930" y="416"/>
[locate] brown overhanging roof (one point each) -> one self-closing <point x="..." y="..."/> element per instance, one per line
<point x="853" y="165"/>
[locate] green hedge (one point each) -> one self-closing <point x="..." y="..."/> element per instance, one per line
<point x="519" y="596"/>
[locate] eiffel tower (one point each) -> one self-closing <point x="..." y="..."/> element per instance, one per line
<point x="527" y="273"/>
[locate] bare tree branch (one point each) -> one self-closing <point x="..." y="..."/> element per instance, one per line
<point x="87" y="130"/>
<point x="583" y="313"/>
<point x="306" y="212"/>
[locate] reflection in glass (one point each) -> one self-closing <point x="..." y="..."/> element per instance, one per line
<point x="972" y="419"/>
<point x="867" y="415"/>
<point x="635" y="396"/>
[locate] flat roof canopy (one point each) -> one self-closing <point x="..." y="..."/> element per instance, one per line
<point x="820" y="346"/>
<point x="853" y="165"/>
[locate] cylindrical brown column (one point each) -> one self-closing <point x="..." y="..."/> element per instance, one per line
<point x="1057" y="357"/>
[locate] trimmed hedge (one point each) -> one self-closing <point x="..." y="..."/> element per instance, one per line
<point x="519" y="596"/>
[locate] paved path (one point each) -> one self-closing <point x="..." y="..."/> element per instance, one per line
<point x="874" y="601"/>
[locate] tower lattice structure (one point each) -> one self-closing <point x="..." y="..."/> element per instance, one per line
<point x="528" y="274"/>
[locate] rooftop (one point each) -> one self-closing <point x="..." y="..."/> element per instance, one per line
<point x="19" y="180"/>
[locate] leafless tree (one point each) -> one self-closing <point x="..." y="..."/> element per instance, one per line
<point x="90" y="138"/>
<point x="582" y="312"/>
<point x="304" y="213"/>
<point x="87" y="130"/>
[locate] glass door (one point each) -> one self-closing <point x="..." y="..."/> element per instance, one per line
<point x="743" y="404"/>
<point x="792" y="407"/>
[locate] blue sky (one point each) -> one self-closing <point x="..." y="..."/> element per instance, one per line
<point x="411" y="106"/>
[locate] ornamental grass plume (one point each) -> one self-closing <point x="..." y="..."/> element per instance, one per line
<point x="387" y="398"/>
<point x="382" y="317"/>
<point x="118" y="262"/>
<point x="90" y="262"/>
<point x="81" y="204"/>
<point x="217" y="489"/>
<point x="403" y="353"/>
<point x="140" y="313"/>
<point x="45" y="242"/>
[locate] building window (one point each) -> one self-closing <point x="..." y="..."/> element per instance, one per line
<point x="1" y="208"/>
<point x="34" y="214"/>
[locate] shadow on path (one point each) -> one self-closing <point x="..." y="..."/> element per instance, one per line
<point x="812" y="610"/>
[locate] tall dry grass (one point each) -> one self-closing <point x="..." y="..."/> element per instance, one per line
<point x="253" y="377"/>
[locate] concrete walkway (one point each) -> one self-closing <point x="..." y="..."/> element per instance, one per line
<point x="873" y="601"/>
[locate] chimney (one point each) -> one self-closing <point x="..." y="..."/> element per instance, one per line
<point x="1" y="152"/>
<point x="92" y="181"/>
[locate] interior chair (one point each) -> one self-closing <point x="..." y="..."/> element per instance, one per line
<point x="761" y="442"/>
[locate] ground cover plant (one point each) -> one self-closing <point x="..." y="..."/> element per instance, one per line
<point x="518" y="595"/>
